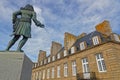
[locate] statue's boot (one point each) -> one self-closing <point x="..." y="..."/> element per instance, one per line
<point x="21" y="44"/>
<point x="12" y="42"/>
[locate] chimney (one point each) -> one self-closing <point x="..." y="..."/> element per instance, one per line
<point x="42" y="55"/>
<point x="69" y="40"/>
<point x="104" y="28"/>
<point x="55" y="47"/>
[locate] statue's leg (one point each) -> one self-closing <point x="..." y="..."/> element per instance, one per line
<point x="22" y="43"/>
<point x="12" y="42"/>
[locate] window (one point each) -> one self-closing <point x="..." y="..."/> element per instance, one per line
<point x="38" y="63"/>
<point x="36" y="76"/>
<point x="48" y="59"/>
<point x="53" y="72"/>
<point x="35" y="64"/>
<point x="85" y="65"/>
<point x="74" y="68"/>
<point x="65" y="53"/>
<point x="45" y="61"/>
<point x="95" y="40"/>
<point x="48" y="73"/>
<point x="58" y="56"/>
<point x="41" y="62"/>
<point x="116" y="37"/>
<point x="40" y="75"/>
<point x="100" y="63"/>
<point x="82" y="45"/>
<point x="43" y="74"/>
<point x="53" y="58"/>
<point x="33" y="76"/>
<point x="73" y="50"/>
<point x="65" y="70"/>
<point x="58" y="71"/>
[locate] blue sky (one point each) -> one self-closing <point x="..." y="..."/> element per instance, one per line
<point x="59" y="16"/>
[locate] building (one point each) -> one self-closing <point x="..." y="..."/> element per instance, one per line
<point x="93" y="56"/>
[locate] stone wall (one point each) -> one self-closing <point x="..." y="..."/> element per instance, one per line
<point x="110" y="54"/>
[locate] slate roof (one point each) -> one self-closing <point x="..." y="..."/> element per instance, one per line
<point x="88" y="39"/>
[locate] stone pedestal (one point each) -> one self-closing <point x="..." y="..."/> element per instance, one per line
<point x="15" y="66"/>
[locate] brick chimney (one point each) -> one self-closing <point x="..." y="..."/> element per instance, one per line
<point x="104" y="28"/>
<point x="42" y="55"/>
<point x="55" y="47"/>
<point x="69" y="40"/>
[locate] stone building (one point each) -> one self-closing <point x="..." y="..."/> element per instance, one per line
<point x="93" y="56"/>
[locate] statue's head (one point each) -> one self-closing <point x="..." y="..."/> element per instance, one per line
<point x="28" y="7"/>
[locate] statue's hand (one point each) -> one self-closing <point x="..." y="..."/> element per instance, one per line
<point x="42" y="25"/>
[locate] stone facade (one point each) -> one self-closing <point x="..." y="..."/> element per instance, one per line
<point x="97" y="58"/>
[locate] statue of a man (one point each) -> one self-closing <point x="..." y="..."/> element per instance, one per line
<point x="22" y="26"/>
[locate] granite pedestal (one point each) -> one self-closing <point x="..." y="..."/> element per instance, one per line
<point x="15" y="66"/>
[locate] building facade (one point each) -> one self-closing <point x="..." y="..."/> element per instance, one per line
<point x="93" y="56"/>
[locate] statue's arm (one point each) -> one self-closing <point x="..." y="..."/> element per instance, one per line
<point x="15" y="14"/>
<point x="38" y="23"/>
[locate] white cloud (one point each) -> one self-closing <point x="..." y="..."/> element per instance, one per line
<point x="38" y="12"/>
<point x="59" y="16"/>
<point x="5" y="11"/>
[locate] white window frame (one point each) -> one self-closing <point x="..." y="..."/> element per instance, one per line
<point x="41" y="62"/>
<point x="48" y="59"/>
<point x="36" y="76"/>
<point x="53" y="71"/>
<point x="100" y="63"/>
<point x="85" y="65"/>
<point x="74" y="68"/>
<point x="53" y="58"/>
<point x="72" y="50"/>
<point x="45" y="61"/>
<point x="35" y="65"/>
<point x="58" y="56"/>
<point x="65" y="53"/>
<point x="58" y="71"/>
<point x="116" y="37"/>
<point x="33" y="76"/>
<point x="82" y="45"/>
<point x="95" y="40"/>
<point x="40" y="75"/>
<point x="65" y="69"/>
<point x="43" y="77"/>
<point x="38" y="63"/>
<point x="48" y="73"/>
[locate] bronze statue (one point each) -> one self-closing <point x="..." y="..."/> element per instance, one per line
<point x="22" y="26"/>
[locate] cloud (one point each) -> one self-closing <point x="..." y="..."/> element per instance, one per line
<point x="62" y="17"/>
<point x="74" y="16"/>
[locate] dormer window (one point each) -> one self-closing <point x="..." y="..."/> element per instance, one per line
<point x="72" y="50"/>
<point x="41" y="62"/>
<point x="38" y="64"/>
<point x="35" y="65"/>
<point x="53" y="58"/>
<point x="95" y="40"/>
<point x="58" y="56"/>
<point x="116" y="37"/>
<point x="45" y="61"/>
<point x="65" y="53"/>
<point x="48" y="59"/>
<point x="82" y="45"/>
